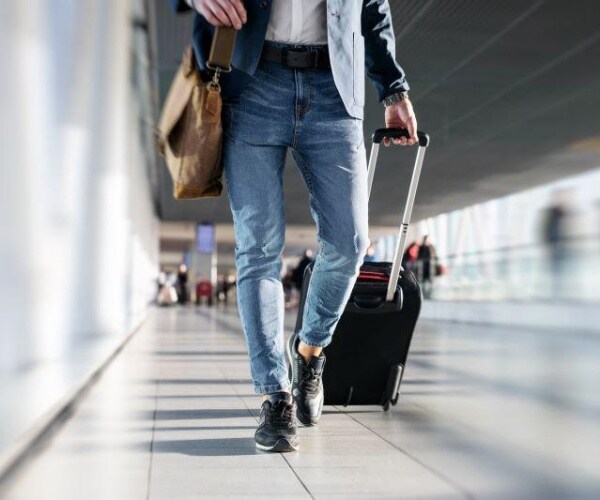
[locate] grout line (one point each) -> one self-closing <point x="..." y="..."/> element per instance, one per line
<point x="149" y="478"/>
<point x="282" y="455"/>
<point x="465" y="492"/>
<point x="297" y="476"/>
<point x="32" y="443"/>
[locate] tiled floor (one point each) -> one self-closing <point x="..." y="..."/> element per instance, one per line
<point x="485" y="413"/>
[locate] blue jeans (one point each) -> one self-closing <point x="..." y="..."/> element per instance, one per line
<point x="301" y="110"/>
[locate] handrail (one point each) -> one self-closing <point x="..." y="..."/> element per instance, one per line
<point x="590" y="237"/>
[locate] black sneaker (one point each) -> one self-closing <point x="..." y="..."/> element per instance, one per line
<point x="307" y="385"/>
<point x="277" y="428"/>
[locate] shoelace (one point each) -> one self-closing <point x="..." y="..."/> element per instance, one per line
<point x="310" y="381"/>
<point x="282" y="414"/>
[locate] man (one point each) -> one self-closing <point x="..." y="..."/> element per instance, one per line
<point x="426" y="257"/>
<point x="555" y="237"/>
<point x="182" y="279"/>
<point x="298" y="83"/>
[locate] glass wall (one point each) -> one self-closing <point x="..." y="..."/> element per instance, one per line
<point x="78" y="230"/>
<point x="542" y="244"/>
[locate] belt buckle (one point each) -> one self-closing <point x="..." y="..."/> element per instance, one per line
<point x="294" y="58"/>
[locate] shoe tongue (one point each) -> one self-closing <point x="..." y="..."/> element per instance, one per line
<point x="316" y="363"/>
<point x="280" y="396"/>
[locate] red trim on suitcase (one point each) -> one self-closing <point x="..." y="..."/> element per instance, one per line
<point x="373" y="276"/>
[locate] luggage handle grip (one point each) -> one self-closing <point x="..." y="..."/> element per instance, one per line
<point x="397" y="133"/>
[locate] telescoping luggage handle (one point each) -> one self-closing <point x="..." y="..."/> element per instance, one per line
<point x="396" y="133"/>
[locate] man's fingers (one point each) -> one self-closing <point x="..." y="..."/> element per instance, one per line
<point x="212" y="19"/>
<point x="411" y="125"/>
<point x="222" y="18"/>
<point x="231" y="13"/>
<point x="402" y="141"/>
<point x="401" y="115"/>
<point x="238" y="5"/>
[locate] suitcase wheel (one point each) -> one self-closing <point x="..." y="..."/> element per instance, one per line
<point x="393" y="386"/>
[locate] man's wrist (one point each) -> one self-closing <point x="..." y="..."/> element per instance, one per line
<point x="394" y="98"/>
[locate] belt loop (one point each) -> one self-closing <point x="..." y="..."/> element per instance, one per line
<point x="317" y="54"/>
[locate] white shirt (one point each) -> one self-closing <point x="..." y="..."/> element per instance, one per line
<point x="298" y="22"/>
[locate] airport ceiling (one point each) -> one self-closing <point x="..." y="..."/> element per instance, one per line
<point x="509" y="91"/>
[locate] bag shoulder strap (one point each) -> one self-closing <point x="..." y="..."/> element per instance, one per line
<point x="221" y="50"/>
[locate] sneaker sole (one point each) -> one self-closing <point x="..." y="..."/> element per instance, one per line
<point x="307" y="423"/>
<point x="281" y="446"/>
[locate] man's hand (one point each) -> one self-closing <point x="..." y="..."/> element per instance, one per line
<point x="401" y="115"/>
<point x="229" y="13"/>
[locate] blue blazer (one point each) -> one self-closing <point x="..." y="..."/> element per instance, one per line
<point x="360" y="36"/>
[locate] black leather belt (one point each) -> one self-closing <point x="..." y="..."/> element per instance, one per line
<point x="313" y="57"/>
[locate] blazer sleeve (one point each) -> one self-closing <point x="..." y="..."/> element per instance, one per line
<point x="180" y="5"/>
<point x="380" y="49"/>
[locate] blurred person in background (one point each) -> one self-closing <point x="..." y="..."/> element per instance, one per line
<point x="425" y="258"/>
<point x="182" y="279"/>
<point x="231" y="280"/>
<point x="161" y="280"/>
<point x="204" y="291"/>
<point x="167" y="293"/>
<point x="555" y="238"/>
<point x="224" y="286"/>
<point x="288" y="288"/>
<point x="298" y="272"/>
<point x="409" y="259"/>
<point x="370" y="255"/>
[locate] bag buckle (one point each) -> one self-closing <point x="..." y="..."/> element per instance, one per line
<point x="214" y="67"/>
<point x="214" y="83"/>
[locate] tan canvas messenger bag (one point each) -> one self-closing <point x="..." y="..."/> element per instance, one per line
<point x="189" y="131"/>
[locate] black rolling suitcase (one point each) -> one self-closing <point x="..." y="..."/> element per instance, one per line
<point x="366" y="358"/>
